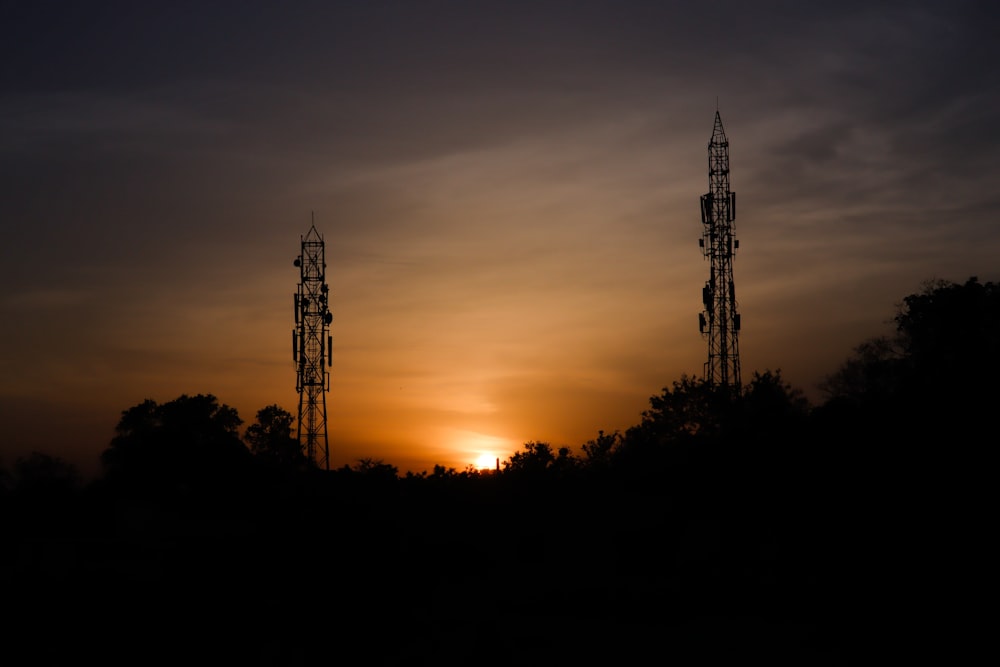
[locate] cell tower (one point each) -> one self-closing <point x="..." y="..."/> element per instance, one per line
<point x="312" y="347"/>
<point x="720" y="322"/>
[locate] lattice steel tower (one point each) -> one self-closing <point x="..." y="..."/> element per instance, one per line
<point x="720" y="321"/>
<point x="312" y="347"/>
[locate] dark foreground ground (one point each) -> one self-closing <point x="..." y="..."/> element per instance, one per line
<point x="494" y="576"/>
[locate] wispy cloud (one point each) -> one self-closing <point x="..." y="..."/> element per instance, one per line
<point x="509" y="200"/>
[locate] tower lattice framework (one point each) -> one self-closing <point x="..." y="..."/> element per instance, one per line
<point x="720" y="321"/>
<point x="312" y="347"/>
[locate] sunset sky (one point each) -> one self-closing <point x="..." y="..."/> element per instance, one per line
<point x="508" y="192"/>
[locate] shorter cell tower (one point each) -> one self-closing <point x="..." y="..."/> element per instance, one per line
<point x="312" y="347"/>
<point x="720" y="322"/>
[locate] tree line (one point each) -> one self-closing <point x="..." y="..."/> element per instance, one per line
<point x="933" y="377"/>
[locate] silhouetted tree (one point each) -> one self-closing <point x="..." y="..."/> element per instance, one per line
<point x="692" y="408"/>
<point x="950" y="334"/>
<point x="190" y="442"/>
<point x="566" y="464"/>
<point x="698" y="426"/>
<point x="598" y="452"/>
<point x="769" y="406"/>
<point x="441" y="472"/>
<point x="912" y="414"/>
<point x="270" y="438"/>
<point x="935" y="376"/>
<point x="534" y="459"/>
<point x="766" y="442"/>
<point x="376" y="469"/>
<point x="872" y="374"/>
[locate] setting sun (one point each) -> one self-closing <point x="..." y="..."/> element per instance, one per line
<point x="486" y="461"/>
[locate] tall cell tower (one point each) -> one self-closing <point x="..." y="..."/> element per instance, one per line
<point x="720" y="321"/>
<point x="312" y="347"/>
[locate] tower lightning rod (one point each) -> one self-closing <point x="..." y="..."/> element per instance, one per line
<point x="312" y="347"/>
<point x="719" y="322"/>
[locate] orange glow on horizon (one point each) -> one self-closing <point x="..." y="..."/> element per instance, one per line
<point x="480" y="450"/>
<point x="487" y="461"/>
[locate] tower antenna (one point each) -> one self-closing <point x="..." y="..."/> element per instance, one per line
<point x="719" y="323"/>
<point x="312" y="347"/>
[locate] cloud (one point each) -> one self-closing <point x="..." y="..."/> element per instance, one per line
<point x="509" y="199"/>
